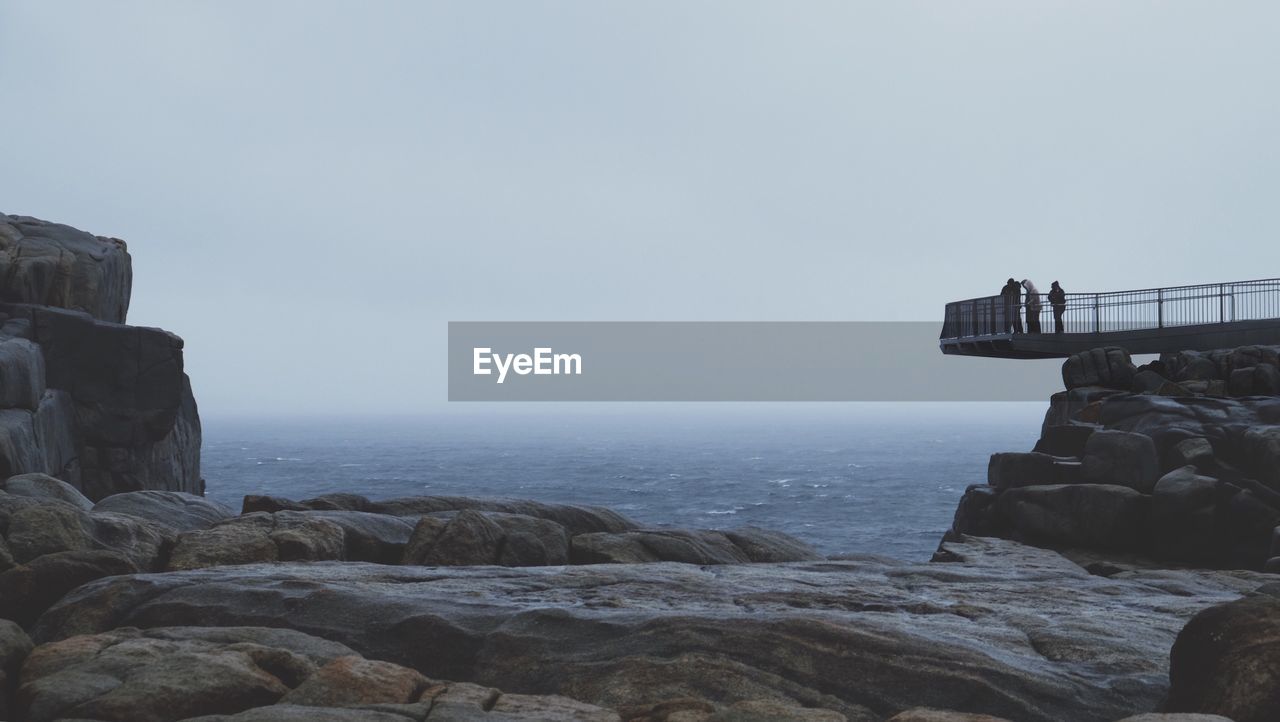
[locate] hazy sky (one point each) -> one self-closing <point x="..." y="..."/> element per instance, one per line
<point x="311" y="190"/>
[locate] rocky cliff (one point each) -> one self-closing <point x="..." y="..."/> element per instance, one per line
<point x="1176" y="462"/>
<point x="84" y="397"/>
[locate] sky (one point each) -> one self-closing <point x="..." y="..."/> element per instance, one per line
<point x="312" y="190"/>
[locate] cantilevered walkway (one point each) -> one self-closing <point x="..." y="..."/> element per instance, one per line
<point x="1153" y="320"/>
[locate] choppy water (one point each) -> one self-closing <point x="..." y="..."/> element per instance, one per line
<point x="868" y="478"/>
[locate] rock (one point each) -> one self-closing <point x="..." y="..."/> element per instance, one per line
<point x="1266" y="380"/>
<point x="167" y="674"/>
<point x="1121" y="458"/>
<point x="22" y="380"/>
<point x="48" y="528"/>
<point x="300" y="713"/>
<point x="768" y="710"/>
<point x="28" y="589"/>
<point x="1064" y="440"/>
<point x="370" y="537"/>
<point x="51" y="264"/>
<point x="1195" y="451"/>
<point x="575" y="519"/>
<point x="351" y="680"/>
<point x="765" y="546"/>
<point x="43" y="486"/>
<point x="1010" y="469"/>
<point x="975" y="514"/>
<point x="1087" y="515"/>
<point x="1007" y="630"/>
<point x="1077" y="407"/>
<point x="653" y="545"/>
<point x="1248" y="522"/>
<point x="529" y="541"/>
<point x="1108" y="367"/>
<point x="1262" y="453"/>
<point x="259" y="537"/>
<point x="1148" y="381"/>
<point x="1240" y="382"/>
<point x="469" y="538"/>
<point x="176" y="510"/>
<point x="1185" y="490"/>
<point x="1226" y="661"/>
<point x="14" y="647"/>
<point x="548" y="707"/>
<point x="924" y="714"/>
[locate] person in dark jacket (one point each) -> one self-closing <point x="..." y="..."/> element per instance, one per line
<point x="1011" y="294"/>
<point x="1057" y="299"/>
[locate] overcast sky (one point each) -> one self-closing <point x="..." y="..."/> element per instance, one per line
<point x="311" y="190"/>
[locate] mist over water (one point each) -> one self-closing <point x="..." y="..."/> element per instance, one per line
<point x="847" y="478"/>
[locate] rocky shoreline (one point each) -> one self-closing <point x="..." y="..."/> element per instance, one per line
<point x="1121" y="568"/>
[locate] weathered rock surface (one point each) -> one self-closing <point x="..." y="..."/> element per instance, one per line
<point x="1227" y="661"/>
<point x="1010" y="631"/>
<point x="35" y="526"/>
<point x="50" y="264"/>
<point x="26" y="590"/>
<point x="259" y="537"/>
<point x="43" y="486"/>
<point x="1109" y="367"/>
<point x="176" y="510"/>
<point x="250" y="673"/>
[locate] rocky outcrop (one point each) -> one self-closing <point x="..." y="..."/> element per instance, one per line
<point x="101" y="405"/>
<point x="1157" y="462"/>
<point x="50" y="264"/>
<point x="1006" y="630"/>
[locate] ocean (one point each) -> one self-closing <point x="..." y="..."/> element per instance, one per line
<point x="869" y="478"/>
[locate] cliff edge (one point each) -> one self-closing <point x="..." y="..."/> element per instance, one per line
<point x="85" y="397"/>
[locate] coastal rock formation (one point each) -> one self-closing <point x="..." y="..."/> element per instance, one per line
<point x="1174" y="461"/>
<point x="1005" y="630"/>
<point x="103" y="406"/>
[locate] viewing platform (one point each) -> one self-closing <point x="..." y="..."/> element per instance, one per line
<point x="1153" y="320"/>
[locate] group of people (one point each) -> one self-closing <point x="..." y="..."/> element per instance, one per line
<point x="1012" y="295"/>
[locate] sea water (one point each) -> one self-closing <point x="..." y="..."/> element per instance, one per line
<point x="846" y="478"/>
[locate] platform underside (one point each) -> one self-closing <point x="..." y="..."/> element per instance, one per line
<point x="1203" y="337"/>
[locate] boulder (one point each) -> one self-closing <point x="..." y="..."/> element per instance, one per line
<point x="663" y="545"/>
<point x="1226" y="661"/>
<point x="43" y="486"/>
<point x="55" y="526"/>
<point x="22" y="381"/>
<point x="1175" y="717"/>
<point x="469" y="538"/>
<point x="28" y="589"/>
<point x="352" y="680"/>
<point x="1086" y="515"/>
<point x="765" y="546"/>
<point x="1109" y="367"/>
<point x="14" y="647"/>
<point x="1266" y="380"/>
<point x="1196" y="451"/>
<point x="51" y="264"/>
<point x="1182" y="522"/>
<point x="370" y="537"/>
<point x="1240" y="382"/>
<point x="529" y="541"/>
<point x="1064" y="440"/>
<point x="259" y="537"/>
<point x="1012" y="469"/>
<point x="176" y="510"/>
<point x="975" y="514"/>
<point x="1121" y="458"/>
<point x="1262" y="453"/>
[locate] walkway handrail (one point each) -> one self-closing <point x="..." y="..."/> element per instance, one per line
<point x="1147" y="308"/>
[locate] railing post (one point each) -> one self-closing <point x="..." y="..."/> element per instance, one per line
<point x="1160" y="308"/>
<point x="1222" y="303"/>
<point x="1097" y="315"/>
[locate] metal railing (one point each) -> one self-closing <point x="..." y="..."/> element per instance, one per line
<point x="1150" y="308"/>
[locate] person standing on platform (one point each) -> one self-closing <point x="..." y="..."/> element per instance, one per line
<point x="1033" y="306"/>
<point x="1057" y="300"/>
